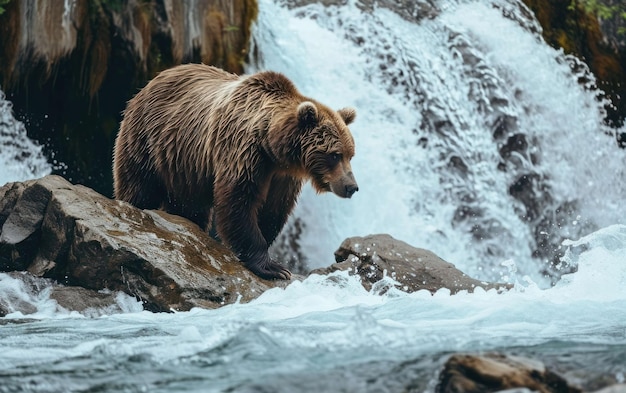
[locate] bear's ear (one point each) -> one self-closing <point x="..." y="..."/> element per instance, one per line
<point x="307" y="114"/>
<point x="347" y="114"/>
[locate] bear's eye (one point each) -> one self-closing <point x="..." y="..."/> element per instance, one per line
<point x="333" y="159"/>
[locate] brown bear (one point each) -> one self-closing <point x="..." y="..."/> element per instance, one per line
<point x="208" y="145"/>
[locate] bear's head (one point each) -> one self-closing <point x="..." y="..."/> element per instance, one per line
<point x="326" y="147"/>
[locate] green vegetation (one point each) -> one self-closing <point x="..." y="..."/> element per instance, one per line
<point x="602" y="11"/>
<point x="113" y="5"/>
<point x="2" y="4"/>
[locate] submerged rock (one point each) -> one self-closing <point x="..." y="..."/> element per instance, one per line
<point x="497" y="372"/>
<point x="376" y="256"/>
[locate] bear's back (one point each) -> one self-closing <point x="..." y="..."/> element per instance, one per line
<point x="272" y="83"/>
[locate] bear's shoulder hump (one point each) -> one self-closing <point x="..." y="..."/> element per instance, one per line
<point x="273" y="83"/>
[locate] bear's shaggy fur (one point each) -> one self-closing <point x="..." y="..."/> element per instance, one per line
<point x="201" y="143"/>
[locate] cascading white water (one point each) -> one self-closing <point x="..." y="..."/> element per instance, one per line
<point x="20" y="157"/>
<point x="462" y="120"/>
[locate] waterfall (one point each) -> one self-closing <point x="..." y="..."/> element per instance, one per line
<point x="20" y="157"/>
<point x="474" y="138"/>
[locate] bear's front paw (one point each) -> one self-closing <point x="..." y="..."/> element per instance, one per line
<point x="268" y="269"/>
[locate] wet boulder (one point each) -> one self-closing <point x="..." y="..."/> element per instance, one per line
<point x="376" y="256"/>
<point x="79" y="238"/>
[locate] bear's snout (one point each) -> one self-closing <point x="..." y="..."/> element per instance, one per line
<point x="351" y="189"/>
<point x="345" y="186"/>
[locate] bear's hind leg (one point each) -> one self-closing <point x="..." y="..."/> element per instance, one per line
<point x="140" y="190"/>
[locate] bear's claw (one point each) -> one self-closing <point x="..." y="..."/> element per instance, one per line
<point x="269" y="270"/>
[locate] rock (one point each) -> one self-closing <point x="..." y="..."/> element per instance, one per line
<point x="375" y="256"/>
<point x="77" y="237"/>
<point x="497" y="372"/>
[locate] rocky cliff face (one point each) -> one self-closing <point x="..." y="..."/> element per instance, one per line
<point x="69" y="67"/>
<point x="596" y="37"/>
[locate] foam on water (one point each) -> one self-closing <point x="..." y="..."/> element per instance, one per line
<point x="325" y="324"/>
<point x="25" y="296"/>
<point x="599" y="283"/>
